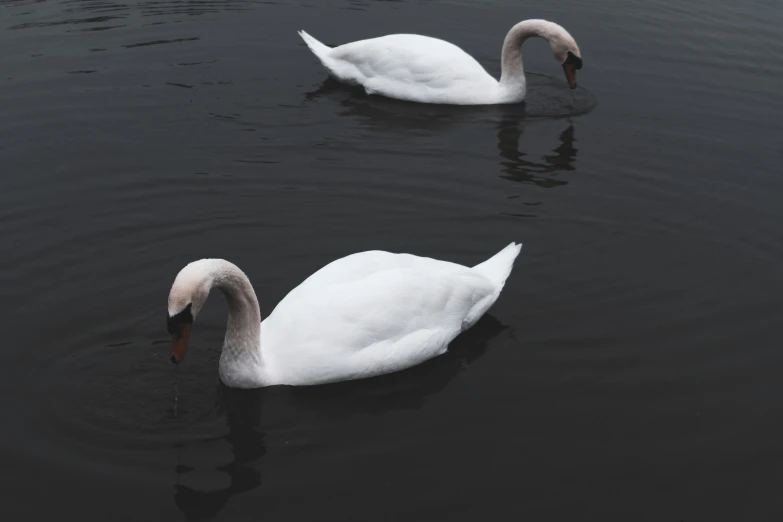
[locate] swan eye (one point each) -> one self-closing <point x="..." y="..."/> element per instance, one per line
<point x="573" y="59"/>
<point x="173" y="323"/>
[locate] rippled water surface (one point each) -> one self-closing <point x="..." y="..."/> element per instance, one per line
<point x="630" y="371"/>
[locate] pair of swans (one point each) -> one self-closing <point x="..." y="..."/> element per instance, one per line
<point x="373" y="312"/>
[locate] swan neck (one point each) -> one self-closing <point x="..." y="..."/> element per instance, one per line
<point x="512" y="71"/>
<point x="242" y="344"/>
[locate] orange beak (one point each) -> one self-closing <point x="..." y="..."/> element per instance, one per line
<point x="570" y="73"/>
<point x="179" y="343"/>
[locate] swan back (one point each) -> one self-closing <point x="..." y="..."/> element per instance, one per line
<point x="389" y="320"/>
<point x="376" y="312"/>
<point x="410" y="67"/>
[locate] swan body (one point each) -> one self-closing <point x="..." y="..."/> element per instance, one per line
<point x="429" y="70"/>
<point x="362" y="315"/>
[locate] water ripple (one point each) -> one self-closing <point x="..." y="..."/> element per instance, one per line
<point x="161" y="42"/>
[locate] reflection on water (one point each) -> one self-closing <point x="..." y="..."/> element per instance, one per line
<point x="243" y="416"/>
<point x="160" y="42"/>
<point x="101" y="12"/>
<point x="388" y="114"/>
<point x="519" y="168"/>
<point x="406" y="390"/>
<point x="194" y="7"/>
<point x="317" y="406"/>
<point x="548" y="98"/>
<point x="70" y="21"/>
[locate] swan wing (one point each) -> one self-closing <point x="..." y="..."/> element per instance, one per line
<point x="412" y="67"/>
<point x="386" y="317"/>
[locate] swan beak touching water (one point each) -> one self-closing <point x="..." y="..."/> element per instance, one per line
<point x="571" y="64"/>
<point x="179" y="328"/>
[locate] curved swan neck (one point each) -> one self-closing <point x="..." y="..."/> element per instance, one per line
<point x="242" y="344"/>
<point x="512" y="72"/>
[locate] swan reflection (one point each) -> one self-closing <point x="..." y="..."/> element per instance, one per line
<point x="315" y="408"/>
<point x="519" y="167"/>
<point x="246" y="440"/>
<point x="547" y="101"/>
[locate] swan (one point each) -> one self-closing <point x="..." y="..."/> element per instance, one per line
<point x="365" y="314"/>
<point x="421" y="69"/>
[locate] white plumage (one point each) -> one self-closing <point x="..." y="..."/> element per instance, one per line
<point x="362" y="315"/>
<point x="429" y="70"/>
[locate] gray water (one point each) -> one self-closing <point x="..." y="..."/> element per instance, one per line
<point x="630" y="370"/>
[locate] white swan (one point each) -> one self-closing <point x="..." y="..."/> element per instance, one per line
<point x="428" y="70"/>
<point x="365" y="314"/>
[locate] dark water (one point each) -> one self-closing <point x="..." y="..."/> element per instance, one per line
<point x="630" y="371"/>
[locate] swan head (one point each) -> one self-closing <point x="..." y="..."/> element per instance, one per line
<point x="571" y="64"/>
<point x="566" y="52"/>
<point x="563" y="45"/>
<point x="186" y="298"/>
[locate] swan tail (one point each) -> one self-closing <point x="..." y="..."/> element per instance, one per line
<point x="498" y="267"/>
<point x="319" y="49"/>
